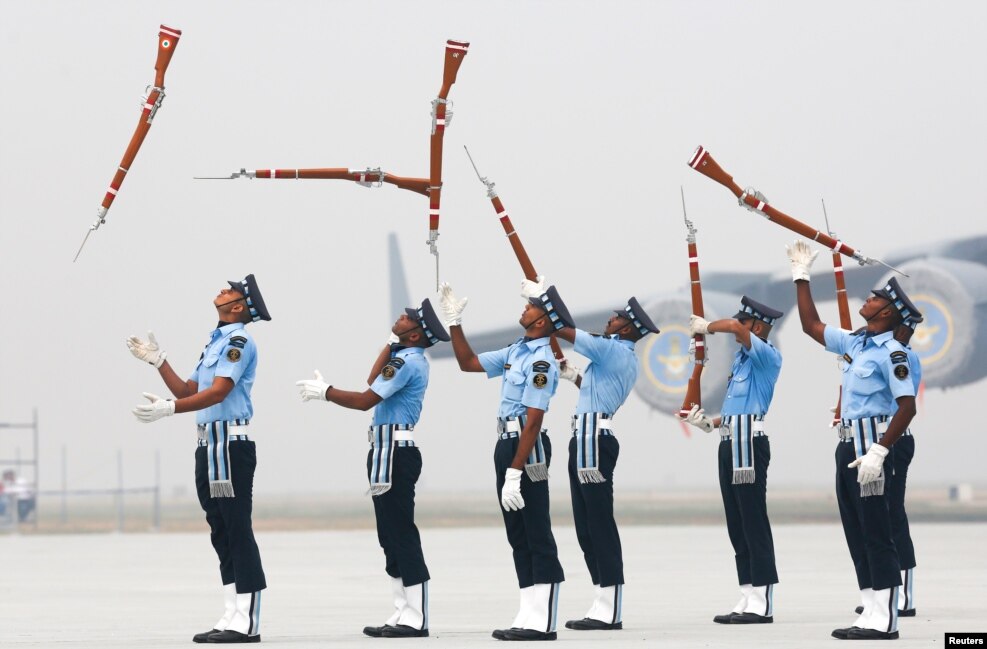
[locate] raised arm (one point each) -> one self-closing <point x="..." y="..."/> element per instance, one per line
<point x="452" y="309"/>
<point x="801" y="258"/>
<point x="382" y="358"/>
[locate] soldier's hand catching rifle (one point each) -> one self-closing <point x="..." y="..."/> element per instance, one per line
<point x="531" y="289"/>
<point x="313" y="388"/>
<point x="569" y="372"/>
<point x="870" y="464"/>
<point x="155" y="410"/>
<point x="147" y="350"/>
<point x="510" y="495"/>
<point x="698" y="327"/>
<point x="452" y="308"/>
<point x="801" y="257"/>
<point x="697" y="417"/>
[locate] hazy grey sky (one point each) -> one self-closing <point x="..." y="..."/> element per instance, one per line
<point x="584" y="113"/>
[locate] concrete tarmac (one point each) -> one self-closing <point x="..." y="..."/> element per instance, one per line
<point x="157" y="590"/>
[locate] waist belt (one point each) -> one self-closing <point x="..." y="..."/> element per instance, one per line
<point x="741" y="430"/>
<point x="586" y="429"/>
<point x="864" y="433"/>
<point x="217" y="436"/>
<point x="233" y="438"/>
<point x="536" y="466"/>
<point x="383" y="439"/>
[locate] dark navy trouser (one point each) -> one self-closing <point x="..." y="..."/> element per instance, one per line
<point x="746" y="509"/>
<point x="229" y="521"/>
<point x="395" y="513"/>
<point x="592" y="510"/>
<point x="529" y="530"/>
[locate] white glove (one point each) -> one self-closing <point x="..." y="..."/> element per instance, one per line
<point x="393" y="339"/>
<point x="155" y="410"/>
<point x="697" y="417"/>
<point x="870" y="464"/>
<point x="510" y="495"/>
<point x="698" y="326"/>
<point x="531" y="289"/>
<point x="570" y="372"/>
<point x="313" y="388"/>
<point x="452" y="308"/>
<point x="801" y="257"/>
<point x="147" y="351"/>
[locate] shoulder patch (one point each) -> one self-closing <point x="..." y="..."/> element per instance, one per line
<point x="899" y="357"/>
<point x="233" y="355"/>
<point x="391" y="368"/>
<point x="901" y="371"/>
<point x="540" y="381"/>
<point x="541" y="366"/>
<point x="238" y="341"/>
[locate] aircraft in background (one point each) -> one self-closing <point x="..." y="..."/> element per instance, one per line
<point x="947" y="281"/>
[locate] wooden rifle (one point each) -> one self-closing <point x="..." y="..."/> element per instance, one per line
<point x="167" y="42"/>
<point x="512" y="237"/>
<point x="455" y="52"/>
<point x="693" y="391"/>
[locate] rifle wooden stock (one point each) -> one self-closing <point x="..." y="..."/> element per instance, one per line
<point x="167" y="41"/>
<point x="844" y="307"/>
<point x="522" y="256"/>
<point x="704" y="163"/>
<point x="454" y="55"/>
<point x="693" y="391"/>
<point x="417" y="185"/>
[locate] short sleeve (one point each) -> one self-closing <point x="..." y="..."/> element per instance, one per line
<point x="493" y="362"/>
<point x="837" y="340"/>
<point x="763" y="355"/>
<point x="395" y="374"/>
<point x="592" y="347"/>
<point x="540" y="384"/>
<point x="236" y="356"/>
<point x="899" y="373"/>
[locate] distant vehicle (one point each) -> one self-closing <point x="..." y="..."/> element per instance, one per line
<point x="947" y="281"/>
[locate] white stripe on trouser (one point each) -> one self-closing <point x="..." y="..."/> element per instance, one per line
<point x="415" y="612"/>
<point x="607" y="604"/>
<point x="246" y="620"/>
<point x="543" y="608"/>
<point x="397" y="591"/>
<point x="760" y="600"/>
<point x="523" y="607"/>
<point x="906" y="600"/>
<point x="867" y="600"/>
<point x="229" y="606"/>
<point x="884" y="611"/>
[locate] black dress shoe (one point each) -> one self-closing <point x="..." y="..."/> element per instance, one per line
<point x="589" y="624"/>
<point x="870" y="634"/>
<point x="858" y="610"/>
<point x="229" y="636"/>
<point x="751" y="618"/>
<point x="906" y="612"/>
<point x="724" y="619"/>
<point x="404" y="631"/>
<point x="375" y="631"/>
<point x="842" y="634"/>
<point x="204" y="636"/>
<point x="528" y="634"/>
<point x="501" y="634"/>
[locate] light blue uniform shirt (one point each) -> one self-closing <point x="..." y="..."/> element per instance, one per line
<point x="871" y="380"/>
<point x="401" y="384"/>
<point x="611" y="373"/>
<point x="232" y="353"/>
<point x="752" y="379"/>
<point x="525" y="385"/>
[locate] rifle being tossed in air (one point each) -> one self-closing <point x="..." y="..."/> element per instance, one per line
<point x="455" y="52"/>
<point x="167" y="41"/>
